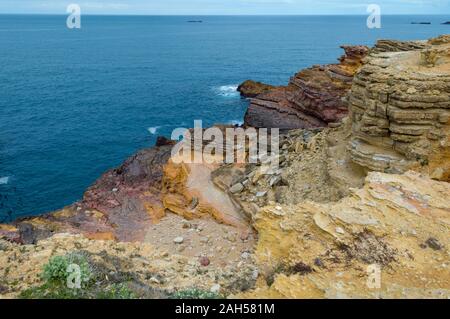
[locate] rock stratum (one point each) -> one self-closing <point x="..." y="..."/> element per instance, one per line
<point x="313" y="98"/>
<point x="360" y="190"/>
<point x="400" y="108"/>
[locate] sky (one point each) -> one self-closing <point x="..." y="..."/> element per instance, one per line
<point x="226" y="7"/>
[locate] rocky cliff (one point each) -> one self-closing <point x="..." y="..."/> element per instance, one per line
<point x="313" y="98"/>
<point x="400" y="223"/>
<point x="365" y="196"/>
<point x="400" y="108"/>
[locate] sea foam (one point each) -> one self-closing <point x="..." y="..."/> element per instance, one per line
<point x="4" y="180"/>
<point x="228" y="90"/>
<point x="236" y="122"/>
<point x="153" y="129"/>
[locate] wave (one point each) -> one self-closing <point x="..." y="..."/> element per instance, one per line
<point x="228" y="90"/>
<point x="236" y="122"/>
<point x="154" y="129"/>
<point x="4" y="180"/>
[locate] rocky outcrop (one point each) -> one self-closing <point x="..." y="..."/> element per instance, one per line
<point x="122" y="204"/>
<point x="325" y="224"/>
<point x="397" y="46"/>
<point x="313" y="98"/>
<point x="251" y="88"/>
<point x="274" y="110"/>
<point x="388" y="239"/>
<point x="400" y="109"/>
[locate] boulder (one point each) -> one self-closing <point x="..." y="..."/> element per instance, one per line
<point x="251" y="88"/>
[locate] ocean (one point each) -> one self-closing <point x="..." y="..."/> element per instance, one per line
<point x="75" y="103"/>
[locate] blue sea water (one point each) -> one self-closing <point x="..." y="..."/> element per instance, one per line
<point x="74" y="103"/>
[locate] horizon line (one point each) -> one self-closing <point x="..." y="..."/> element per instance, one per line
<point x="223" y="15"/>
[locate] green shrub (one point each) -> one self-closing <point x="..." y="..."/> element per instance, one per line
<point x="195" y="293"/>
<point x="53" y="291"/>
<point x="55" y="277"/>
<point x="56" y="270"/>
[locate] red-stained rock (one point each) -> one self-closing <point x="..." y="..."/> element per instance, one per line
<point x="204" y="261"/>
<point x="274" y="110"/>
<point x="120" y="205"/>
<point x="251" y="88"/>
<point x="313" y="98"/>
<point x="162" y="141"/>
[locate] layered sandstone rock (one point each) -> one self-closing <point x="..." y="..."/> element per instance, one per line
<point x="400" y="110"/>
<point x="323" y="227"/>
<point x="313" y="98"/>
<point x="396" y="225"/>
<point x="397" y="46"/>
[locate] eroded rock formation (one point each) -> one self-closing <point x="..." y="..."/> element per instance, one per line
<point x="313" y="98"/>
<point x="400" y="109"/>
<point x="251" y="88"/>
<point x="399" y="223"/>
<point x="120" y="205"/>
<point x="324" y="222"/>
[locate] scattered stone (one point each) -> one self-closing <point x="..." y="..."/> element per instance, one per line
<point x="274" y="181"/>
<point x="339" y="230"/>
<point x="230" y="237"/>
<point x="245" y="255"/>
<point x="244" y="235"/>
<point x="194" y="203"/>
<point x="319" y="263"/>
<point x="334" y="125"/>
<point x="237" y="188"/>
<point x="186" y="224"/>
<point x="433" y="243"/>
<point x="178" y="240"/>
<point x="215" y="289"/>
<point x="204" y="261"/>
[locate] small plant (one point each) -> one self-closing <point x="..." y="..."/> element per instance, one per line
<point x="116" y="291"/>
<point x="278" y="269"/>
<point x="195" y="293"/>
<point x="56" y="270"/>
<point x="57" y="276"/>
<point x="51" y="290"/>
